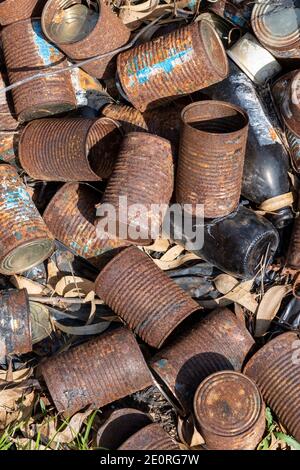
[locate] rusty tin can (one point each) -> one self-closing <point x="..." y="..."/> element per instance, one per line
<point x="8" y="118"/>
<point x="151" y="437"/>
<point x="184" y="61"/>
<point x="27" y="53"/>
<point x="9" y="141"/>
<point x="69" y="149"/>
<point x="82" y="31"/>
<point x="143" y="174"/>
<point x="230" y="412"/>
<point x="217" y="342"/>
<point x="15" y="329"/>
<point x="120" y="425"/>
<point x="276" y="370"/>
<point x="229" y="12"/>
<point x="25" y="238"/>
<point x="70" y="217"/>
<point x="12" y="11"/>
<point x="211" y="156"/>
<point x="97" y="373"/>
<point x="276" y="25"/>
<point x="143" y="296"/>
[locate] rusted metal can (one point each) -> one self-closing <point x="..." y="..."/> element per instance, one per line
<point x="8" y="118"/>
<point x="229" y="12"/>
<point x="217" y="342"/>
<point x="143" y="296"/>
<point x="97" y="373"/>
<point x="276" y="25"/>
<point x="120" y="425"/>
<point x="70" y="217"/>
<point x="226" y="31"/>
<point x="9" y="141"/>
<point x="82" y="31"/>
<point x="27" y="53"/>
<point x="211" y="156"/>
<point x="69" y="149"/>
<point x="276" y="370"/>
<point x="132" y="179"/>
<point x="12" y="11"/>
<point x="15" y="330"/>
<point x="25" y="238"/>
<point x="151" y="437"/>
<point x="184" y="61"/>
<point x="230" y="412"/>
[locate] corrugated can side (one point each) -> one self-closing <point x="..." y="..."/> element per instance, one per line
<point x="96" y="373"/>
<point x="69" y="149"/>
<point x="184" y="61"/>
<point x="143" y="296"/>
<point x="108" y="34"/>
<point x="230" y="412"/>
<point x="143" y="174"/>
<point x="8" y="118"/>
<point x="211" y="156"/>
<point x="276" y="370"/>
<point x="12" y="11"/>
<point x="27" y="53"/>
<point x="9" y="141"/>
<point x="15" y="330"/>
<point x="25" y="240"/>
<point x="130" y="118"/>
<point x="217" y="342"/>
<point x="70" y="217"/>
<point x="151" y="437"/>
<point x="293" y="256"/>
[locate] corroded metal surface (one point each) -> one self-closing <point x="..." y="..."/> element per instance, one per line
<point x="184" y="61"/>
<point x="70" y="216"/>
<point x="69" y="149"/>
<point x="217" y="342"/>
<point x="15" y="331"/>
<point x="96" y="373"/>
<point x="27" y="53"/>
<point x="151" y="437"/>
<point x="229" y="12"/>
<point x="230" y="412"/>
<point x="143" y="173"/>
<point x="25" y="238"/>
<point x="120" y="425"/>
<point x="143" y="296"/>
<point x="8" y="118"/>
<point x="276" y="370"/>
<point x="16" y="10"/>
<point x="211" y="156"/>
<point x="9" y="141"/>
<point x="99" y="33"/>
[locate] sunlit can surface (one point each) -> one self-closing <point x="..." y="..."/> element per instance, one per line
<point x="151" y="437"/>
<point x="16" y="10"/>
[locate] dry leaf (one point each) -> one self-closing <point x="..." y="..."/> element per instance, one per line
<point x="165" y="265"/>
<point x="14" y="405"/>
<point x="77" y="286"/>
<point x="32" y="287"/>
<point x="269" y="307"/>
<point x="41" y="326"/>
<point x="172" y="253"/>
<point x="17" y="376"/>
<point x="160" y="246"/>
<point x="94" y="329"/>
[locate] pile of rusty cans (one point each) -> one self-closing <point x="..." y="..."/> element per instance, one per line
<point x="112" y="139"/>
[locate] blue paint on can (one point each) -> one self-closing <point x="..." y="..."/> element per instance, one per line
<point x="48" y="53"/>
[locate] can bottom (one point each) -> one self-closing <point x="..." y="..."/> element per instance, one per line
<point x="27" y="256"/>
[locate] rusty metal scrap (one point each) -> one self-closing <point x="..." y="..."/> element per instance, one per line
<point x="12" y="11"/>
<point x="151" y="437"/>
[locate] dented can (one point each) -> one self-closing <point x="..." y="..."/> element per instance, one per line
<point x="151" y="437"/>
<point x="156" y="71"/>
<point x="25" y="238"/>
<point x="133" y="181"/>
<point x="70" y="217"/>
<point x="276" y="370"/>
<point x="143" y="296"/>
<point x="97" y="373"/>
<point x="12" y="11"/>
<point x="211" y="156"/>
<point x="83" y="32"/>
<point x="15" y="329"/>
<point x="69" y="149"/>
<point x="27" y="53"/>
<point x="217" y="342"/>
<point x="230" y="412"/>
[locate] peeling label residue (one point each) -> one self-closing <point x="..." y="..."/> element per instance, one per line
<point x="46" y="51"/>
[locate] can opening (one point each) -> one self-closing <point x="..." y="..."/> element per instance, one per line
<point x="282" y="19"/>
<point x="70" y="21"/>
<point x="27" y="256"/>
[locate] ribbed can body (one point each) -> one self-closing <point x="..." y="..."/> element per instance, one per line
<point x="25" y="240"/>
<point x="217" y="342"/>
<point x="108" y="34"/>
<point x="69" y="149"/>
<point x="293" y="256"/>
<point x="230" y="412"/>
<point x="8" y="119"/>
<point x="151" y="437"/>
<point x="70" y="217"/>
<point x="143" y="296"/>
<point x="12" y="11"/>
<point x="143" y="174"/>
<point x="275" y="368"/>
<point x="27" y="53"/>
<point x="15" y="330"/>
<point x="211" y="157"/>
<point x="96" y="373"/>
<point x="184" y="61"/>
